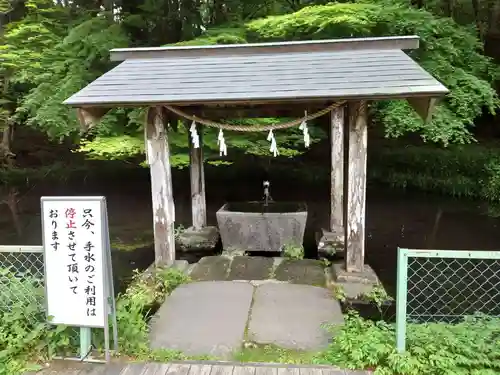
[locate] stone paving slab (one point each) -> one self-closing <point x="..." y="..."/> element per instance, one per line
<point x="203" y="318"/>
<point x="250" y="268"/>
<point x="291" y="316"/>
<point x="219" y="268"/>
<point x="302" y="271"/>
<point x="212" y="268"/>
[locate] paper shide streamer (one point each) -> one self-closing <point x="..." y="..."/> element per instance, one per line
<point x="305" y="131"/>
<point x="274" y="146"/>
<point x="222" y="143"/>
<point x="195" y="138"/>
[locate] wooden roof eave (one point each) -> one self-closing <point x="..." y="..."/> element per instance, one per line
<point x="91" y="114"/>
<point x="407" y="42"/>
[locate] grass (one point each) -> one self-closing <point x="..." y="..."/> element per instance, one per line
<point x="127" y="239"/>
<point x="272" y="354"/>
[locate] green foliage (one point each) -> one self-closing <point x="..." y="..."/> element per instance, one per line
<point x="377" y="295"/>
<point x="63" y="57"/>
<point x="293" y="251"/>
<point x="156" y="22"/>
<point x="339" y="292"/>
<point x="15" y="289"/>
<point x="25" y="337"/>
<point x="68" y="66"/>
<point x="113" y="148"/>
<point x="463" y="171"/>
<point x="57" y="172"/>
<point x="220" y="35"/>
<point x="470" y="347"/>
<point x="452" y="53"/>
<point x="178" y="231"/>
<point x="26" y="41"/>
<point x="146" y="292"/>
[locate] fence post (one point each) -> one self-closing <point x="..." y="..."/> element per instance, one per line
<point x="401" y="299"/>
<point x="85" y="342"/>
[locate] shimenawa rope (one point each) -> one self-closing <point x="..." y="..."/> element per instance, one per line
<point x="247" y="128"/>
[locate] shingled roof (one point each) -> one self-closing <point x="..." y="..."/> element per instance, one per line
<point x="361" y="68"/>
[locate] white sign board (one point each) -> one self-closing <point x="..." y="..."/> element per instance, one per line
<point x="75" y="241"/>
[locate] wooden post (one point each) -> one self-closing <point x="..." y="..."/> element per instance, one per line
<point x="158" y="156"/>
<point x="198" y="202"/>
<point x="337" y="169"/>
<point x="356" y="187"/>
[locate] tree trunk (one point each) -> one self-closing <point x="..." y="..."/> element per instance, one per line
<point x="218" y="12"/>
<point x="494" y="27"/>
<point x="477" y="18"/>
<point x="7" y="158"/>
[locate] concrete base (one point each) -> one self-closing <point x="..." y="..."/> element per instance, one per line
<point x="204" y="239"/>
<point x="367" y="276"/>
<point x="330" y="243"/>
<point x="354" y="291"/>
<point x="354" y="284"/>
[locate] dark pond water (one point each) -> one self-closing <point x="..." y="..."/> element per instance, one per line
<point x="394" y="218"/>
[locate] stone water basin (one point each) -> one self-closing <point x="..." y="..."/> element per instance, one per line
<point x="253" y="226"/>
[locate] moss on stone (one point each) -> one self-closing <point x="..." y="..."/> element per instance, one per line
<point x="302" y="271"/>
<point x="250" y="268"/>
<point x="212" y="268"/>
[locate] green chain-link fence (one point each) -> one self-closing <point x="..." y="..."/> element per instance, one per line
<point x="22" y="284"/>
<point x="445" y="286"/>
<point x="21" y="280"/>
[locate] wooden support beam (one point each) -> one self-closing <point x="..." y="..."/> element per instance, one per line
<point x="356" y="187"/>
<point x="158" y="156"/>
<point x="197" y="174"/>
<point x="89" y="117"/>
<point x="423" y="106"/>
<point x="337" y="169"/>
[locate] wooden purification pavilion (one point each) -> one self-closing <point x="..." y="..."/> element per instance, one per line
<point x="263" y="80"/>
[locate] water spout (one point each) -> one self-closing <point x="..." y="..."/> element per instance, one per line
<point x="267" y="195"/>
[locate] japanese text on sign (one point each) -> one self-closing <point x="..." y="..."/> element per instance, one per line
<point x="75" y="261"/>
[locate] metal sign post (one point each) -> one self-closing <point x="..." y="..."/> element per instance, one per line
<point x="78" y="272"/>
